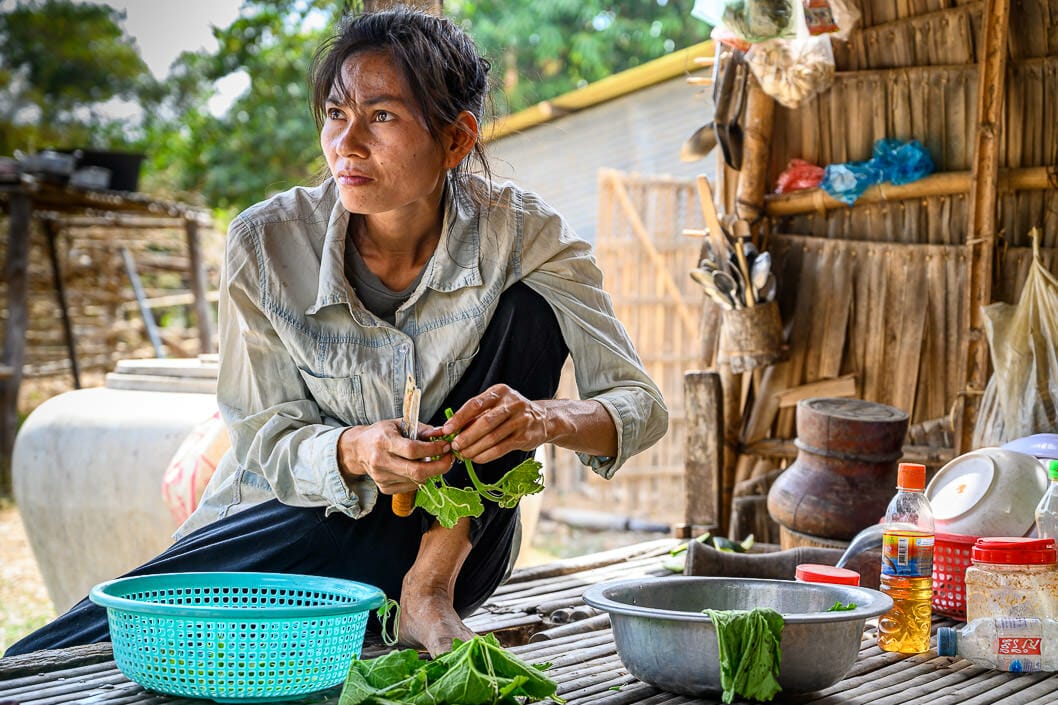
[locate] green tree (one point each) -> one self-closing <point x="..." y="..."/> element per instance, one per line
<point x="266" y="141"/>
<point x="545" y="48"/>
<point x="59" y="62"/>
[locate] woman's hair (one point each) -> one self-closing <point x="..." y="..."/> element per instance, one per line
<point x="438" y="60"/>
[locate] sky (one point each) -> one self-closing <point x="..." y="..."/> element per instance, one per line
<point x="163" y="28"/>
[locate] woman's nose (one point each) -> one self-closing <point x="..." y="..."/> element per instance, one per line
<point x="352" y="141"/>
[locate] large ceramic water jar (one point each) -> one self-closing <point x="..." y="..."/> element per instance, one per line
<point x="88" y="465"/>
<point x="845" y="471"/>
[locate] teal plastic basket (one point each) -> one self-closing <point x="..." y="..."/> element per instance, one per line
<point x="236" y="637"/>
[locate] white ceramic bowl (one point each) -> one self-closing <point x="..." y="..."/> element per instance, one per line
<point x="987" y="492"/>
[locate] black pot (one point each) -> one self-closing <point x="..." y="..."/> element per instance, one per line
<point x="124" y="166"/>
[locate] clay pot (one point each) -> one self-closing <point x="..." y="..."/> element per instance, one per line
<point x="845" y="471"/>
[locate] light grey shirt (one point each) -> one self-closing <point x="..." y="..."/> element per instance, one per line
<point x="301" y="358"/>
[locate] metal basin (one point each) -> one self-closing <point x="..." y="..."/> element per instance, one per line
<point x="664" y="639"/>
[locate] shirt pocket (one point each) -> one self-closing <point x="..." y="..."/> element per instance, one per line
<point x="455" y="370"/>
<point x="339" y="397"/>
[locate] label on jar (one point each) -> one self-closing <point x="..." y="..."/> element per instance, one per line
<point x="907" y="554"/>
<point x="1019" y="644"/>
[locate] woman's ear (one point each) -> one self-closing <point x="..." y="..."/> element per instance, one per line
<point x="460" y="138"/>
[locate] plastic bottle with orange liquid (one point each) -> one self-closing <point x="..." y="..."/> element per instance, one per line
<point x="907" y="564"/>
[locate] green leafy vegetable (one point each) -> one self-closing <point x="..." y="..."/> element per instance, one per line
<point x="839" y="607"/>
<point x="475" y="672"/>
<point x="390" y="606"/>
<point x="750" y="656"/>
<point x="718" y="542"/>
<point x="449" y="504"/>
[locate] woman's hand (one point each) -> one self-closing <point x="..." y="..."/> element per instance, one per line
<point x="496" y="422"/>
<point x="396" y="464"/>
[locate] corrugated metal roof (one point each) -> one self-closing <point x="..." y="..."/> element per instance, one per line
<point x="620" y="84"/>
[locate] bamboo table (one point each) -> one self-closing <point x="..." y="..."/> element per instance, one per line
<point x="531" y="611"/>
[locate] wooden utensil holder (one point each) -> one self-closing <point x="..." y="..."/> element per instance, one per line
<point x="752" y="337"/>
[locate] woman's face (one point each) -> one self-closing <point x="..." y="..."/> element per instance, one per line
<point x="379" y="151"/>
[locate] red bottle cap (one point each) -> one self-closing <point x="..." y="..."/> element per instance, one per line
<point x="911" y="476"/>
<point x="818" y="573"/>
<point x="1013" y="550"/>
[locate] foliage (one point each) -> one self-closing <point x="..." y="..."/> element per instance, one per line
<point x="545" y="48"/>
<point x="477" y="671"/>
<point x="449" y="504"/>
<point x="266" y="141"/>
<point x="59" y="62"/>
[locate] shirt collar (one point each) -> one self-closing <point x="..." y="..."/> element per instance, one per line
<point x="455" y="263"/>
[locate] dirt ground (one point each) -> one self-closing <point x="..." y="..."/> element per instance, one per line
<point x="24" y="603"/>
<point x="25" y="606"/>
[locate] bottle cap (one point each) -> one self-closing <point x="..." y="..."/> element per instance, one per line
<point x="911" y="476"/>
<point x="946" y="639"/>
<point x="1013" y="550"/>
<point x="819" y="573"/>
<point x="1052" y="469"/>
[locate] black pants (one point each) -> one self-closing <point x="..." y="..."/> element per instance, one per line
<point x="522" y="347"/>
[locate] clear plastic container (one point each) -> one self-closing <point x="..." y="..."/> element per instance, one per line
<point x="1007" y="644"/>
<point x="1047" y="509"/>
<point x="907" y="565"/>
<point x="1012" y="577"/>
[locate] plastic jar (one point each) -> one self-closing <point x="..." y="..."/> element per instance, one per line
<point x="820" y="573"/>
<point x="1012" y="577"/>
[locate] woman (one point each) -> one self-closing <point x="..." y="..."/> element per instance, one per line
<point x="401" y="263"/>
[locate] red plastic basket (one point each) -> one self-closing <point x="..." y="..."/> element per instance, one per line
<point x="951" y="558"/>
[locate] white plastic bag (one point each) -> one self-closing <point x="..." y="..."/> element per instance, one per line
<point x="1021" y="396"/>
<point x="793" y="70"/>
<point x="754" y="20"/>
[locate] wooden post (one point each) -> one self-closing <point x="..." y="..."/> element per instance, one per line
<point x="51" y="230"/>
<point x="753" y="178"/>
<point x="203" y="317"/>
<point x="16" y="274"/>
<point x="981" y="228"/>
<point x="704" y="450"/>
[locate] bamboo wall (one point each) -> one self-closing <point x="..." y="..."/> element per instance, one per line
<point x="645" y="261"/>
<point x="882" y="292"/>
<point x="106" y="320"/>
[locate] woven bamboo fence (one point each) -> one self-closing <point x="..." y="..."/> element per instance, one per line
<point x="881" y="300"/>
<point x="645" y="261"/>
<point x="106" y="321"/>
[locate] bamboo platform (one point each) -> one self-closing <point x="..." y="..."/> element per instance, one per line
<point x="540" y="616"/>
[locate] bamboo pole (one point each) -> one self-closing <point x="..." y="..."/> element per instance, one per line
<point x="1037" y="178"/>
<point x="981" y="229"/>
<point x="757" y="131"/>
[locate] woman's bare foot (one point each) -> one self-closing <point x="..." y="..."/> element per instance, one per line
<point x="429" y="621"/>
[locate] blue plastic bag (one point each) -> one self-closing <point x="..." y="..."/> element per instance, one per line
<point x="847" y="182"/>
<point x="894" y="161"/>
<point x="902" y="162"/>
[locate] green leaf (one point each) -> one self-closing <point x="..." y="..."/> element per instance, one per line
<point x="521" y="480"/>
<point x="839" y="607"/>
<point x="750" y="655"/>
<point x="448" y="504"/>
<point x="475" y="672"/>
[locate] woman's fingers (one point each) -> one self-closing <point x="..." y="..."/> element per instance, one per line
<point x="496" y="422"/>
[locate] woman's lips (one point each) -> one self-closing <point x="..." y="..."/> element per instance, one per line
<point x="352" y="179"/>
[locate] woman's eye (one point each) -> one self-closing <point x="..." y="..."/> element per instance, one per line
<point x="334" y="113"/>
<point x="383" y="116"/>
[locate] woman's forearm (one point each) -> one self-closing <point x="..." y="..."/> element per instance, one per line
<point x="580" y="425"/>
